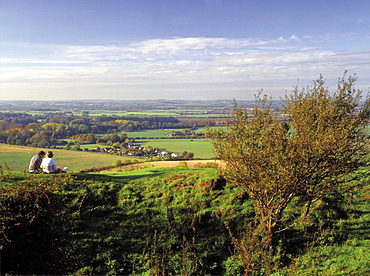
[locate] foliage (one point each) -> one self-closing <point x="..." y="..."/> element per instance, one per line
<point x="32" y="240"/>
<point x="303" y="158"/>
<point x="105" y="226"/>
<point x="25" y="129"/>
<point x="117" y="163"/>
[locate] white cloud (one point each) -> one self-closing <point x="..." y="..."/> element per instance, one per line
<point x="176" y="64"/>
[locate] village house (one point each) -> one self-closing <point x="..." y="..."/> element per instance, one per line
<point x="175" y="155"/>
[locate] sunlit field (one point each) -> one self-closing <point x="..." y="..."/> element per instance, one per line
<point x="17" y="158"/>
<point x="202" y="148"/>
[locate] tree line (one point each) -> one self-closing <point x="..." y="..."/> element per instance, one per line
<point x="44" y="131"/>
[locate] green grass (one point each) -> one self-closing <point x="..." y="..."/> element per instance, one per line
<point x="157" y="112"/>
<point x="157" y="133"/>
<point x="202" y="148"/>
<point x="349" y="257"/>
<point x="18" y="158"/>
<point x="154" y="172"/>
<point x="133" y="113"/>
<point x="154" y="133"/>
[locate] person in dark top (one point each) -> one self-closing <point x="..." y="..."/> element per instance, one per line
<point x="35" y="162"/>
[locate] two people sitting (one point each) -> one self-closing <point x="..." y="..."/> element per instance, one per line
<point x="46" y="165"/>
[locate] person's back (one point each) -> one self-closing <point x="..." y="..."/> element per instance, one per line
<point x="49" y="165"/>
<point x="35" y="163"/>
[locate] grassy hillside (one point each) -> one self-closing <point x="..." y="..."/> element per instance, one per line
<point x="168" y="221"/>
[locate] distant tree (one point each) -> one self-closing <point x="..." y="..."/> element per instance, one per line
<point x="3" y="125"/>
<point x="76" y="146"/>
<point x="33" y="127"/>
<point x="322" y="139"/>
<point x="82" y="128"/>
<point x="190" y="155"/>
<point x="85" y="113"/>
<point x="187" y="154"/>
<point x="117" y="163"/>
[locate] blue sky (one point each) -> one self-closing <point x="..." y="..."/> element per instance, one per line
<point x="172" y="49"/>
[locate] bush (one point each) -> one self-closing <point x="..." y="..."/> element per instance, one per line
<point x="117" y="163"/>
<point x="33" y="240"/>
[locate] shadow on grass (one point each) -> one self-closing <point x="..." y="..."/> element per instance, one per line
<point x="118" y="177"/>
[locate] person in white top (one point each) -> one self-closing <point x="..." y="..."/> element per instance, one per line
<point x="49" y="165"/>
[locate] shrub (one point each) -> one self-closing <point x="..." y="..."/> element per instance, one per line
<point x="117" y="163"/>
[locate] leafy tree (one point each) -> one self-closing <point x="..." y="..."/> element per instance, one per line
<point x="321" y="140"/>
<point x="76" y="146"/>
<point x="328" y="136"/>
<point x="42" y="139"/>
<point x="17" y="137"/>
<point x="187" y="154"/>
<point x="117" y="163"/>
<point x="33" y="127"/>
<point x="88" y="138"/>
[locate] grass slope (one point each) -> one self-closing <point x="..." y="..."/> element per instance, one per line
<point x="17" y="158"/>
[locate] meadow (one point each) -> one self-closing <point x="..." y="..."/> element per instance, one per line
<point x="150" y="133"/>
<point x="202" y="148"/>
<point x="158" y="138"/>
<point x="17" y="158"/>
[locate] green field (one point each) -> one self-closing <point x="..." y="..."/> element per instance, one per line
<point x="131" y="113"/>
<point x="157" y="133"/>
<point x="202" y="148"/>
<point x="17" y="158"/>
<point x="147" y="133"/>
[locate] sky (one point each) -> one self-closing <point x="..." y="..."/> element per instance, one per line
<point x="179" y="49"/>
